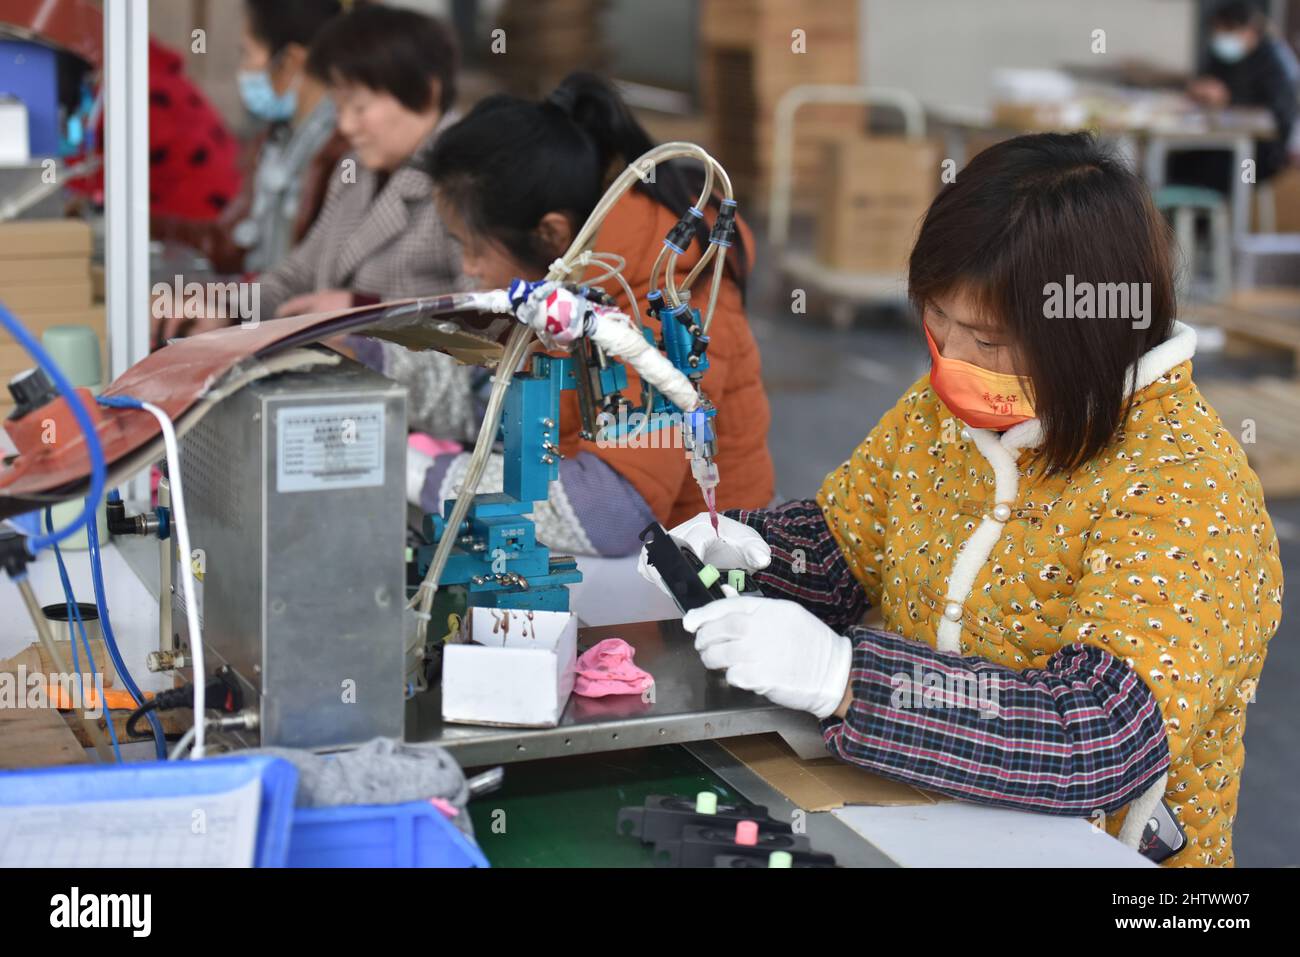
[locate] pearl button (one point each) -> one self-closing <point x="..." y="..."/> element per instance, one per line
<point x="1002" y="512"/>
<point x="965" y="434"/>
<point x="952" y="611"/>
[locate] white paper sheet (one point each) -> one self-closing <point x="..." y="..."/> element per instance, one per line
<point x="201" y="830"/>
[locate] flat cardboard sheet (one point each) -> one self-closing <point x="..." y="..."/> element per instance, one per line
<point x="822" y="784"/>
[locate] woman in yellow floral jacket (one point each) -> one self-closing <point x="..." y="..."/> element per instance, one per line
<point x="1076" y="572"/>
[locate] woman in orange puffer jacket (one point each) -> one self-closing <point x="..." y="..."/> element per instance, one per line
<point x="515" y="180"/>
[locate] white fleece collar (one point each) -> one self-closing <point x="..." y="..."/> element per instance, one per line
<point x="1000" y="451"/>
<point x="1177" y="349"/>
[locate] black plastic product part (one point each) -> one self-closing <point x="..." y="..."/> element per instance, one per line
<point x="663" y="817"/>
<point x="679" y="568"/>
<point x="698" y="846"/>
<point x="741" y="861"/>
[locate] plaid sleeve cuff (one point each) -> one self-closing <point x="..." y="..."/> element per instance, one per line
<point x="1083" y="733"/>
<point x="807" y="564"/>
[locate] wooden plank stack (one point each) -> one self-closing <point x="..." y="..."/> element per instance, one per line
<point x="875" y="192"/>
<point x="1264" y="414"/>
<point x="545" y="40"/>
<point x="1262" y="319"/>
<point x="752" y="52"/>
<point x="45" y="280"/>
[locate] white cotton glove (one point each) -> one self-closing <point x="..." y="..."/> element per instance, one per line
<point x="734" y="545"/>
<point x="775" y="648"/>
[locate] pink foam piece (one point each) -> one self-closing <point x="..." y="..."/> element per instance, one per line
<point x="747" y="833"/>
<point x="445" y="806"/>
<point x="606" y="668"/>
<point x="422" y="442"/>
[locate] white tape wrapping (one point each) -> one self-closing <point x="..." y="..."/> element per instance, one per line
<point x="618" y="337"/>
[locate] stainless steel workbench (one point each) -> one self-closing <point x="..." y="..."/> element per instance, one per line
<point x="689" y="704"/>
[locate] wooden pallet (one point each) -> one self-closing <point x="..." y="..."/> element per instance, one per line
<point x="34" y="737"/>
<point x="1272" y="405"/>
<point x="37" y="738"/>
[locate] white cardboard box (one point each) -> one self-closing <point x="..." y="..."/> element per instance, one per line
<point x="513" y="668"/>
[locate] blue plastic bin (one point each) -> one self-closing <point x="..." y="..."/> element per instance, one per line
<point x="117" y="782"/>
<point x="379" y="835"/>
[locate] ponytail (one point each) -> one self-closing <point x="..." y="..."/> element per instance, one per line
<point x="511" y="161"/>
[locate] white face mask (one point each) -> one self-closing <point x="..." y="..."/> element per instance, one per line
<point x="1228" y="47"/>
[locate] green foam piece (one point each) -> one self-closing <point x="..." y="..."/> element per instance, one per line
<point x="706" y="802"/>
<point x="709" y="575"/>
<point x="736" y="579"/>
<point x="780" y="859"/>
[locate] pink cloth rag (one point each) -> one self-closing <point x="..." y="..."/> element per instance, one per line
<point x="606" y="668"/>
<point x="423" y="442"/>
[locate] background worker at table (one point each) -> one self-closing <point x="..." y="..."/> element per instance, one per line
<point x="293" y="154"/>
<point x="1248" y="66"/>
<point x="392" y="75"/>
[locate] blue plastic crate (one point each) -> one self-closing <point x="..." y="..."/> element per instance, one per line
<point x="118" y="782"/>
<point x="379" y="835"/>
<point x="29" y="71"/>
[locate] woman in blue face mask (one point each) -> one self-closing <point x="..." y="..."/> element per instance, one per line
<point x="1247" y="66"/>
<point x="298" y="145"/>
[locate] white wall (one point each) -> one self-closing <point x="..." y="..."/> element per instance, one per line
<point x="945" y="50"/>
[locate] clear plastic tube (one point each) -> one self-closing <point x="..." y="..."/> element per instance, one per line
<point x="518" y="345"/>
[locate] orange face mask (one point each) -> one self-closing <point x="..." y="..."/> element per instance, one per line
<point x="980" y="398"/>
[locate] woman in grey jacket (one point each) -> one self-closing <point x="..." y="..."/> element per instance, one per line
<point x="391" y="74"/>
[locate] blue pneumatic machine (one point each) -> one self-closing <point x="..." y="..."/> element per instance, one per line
<point x="497" y="558"/>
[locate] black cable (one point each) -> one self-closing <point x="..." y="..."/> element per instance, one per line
<point x="136" y="715"/>
<point x="223" y="688"/>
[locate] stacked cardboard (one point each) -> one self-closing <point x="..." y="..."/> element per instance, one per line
<point x="875" y="194"/>
<point x="545" y="41"/>
<point x="752" y="52"/>
<point x="45" y="280"/>
<point x="1286" y="201"/>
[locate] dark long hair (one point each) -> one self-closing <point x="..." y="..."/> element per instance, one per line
<point x="278" y="23"/>
<point x="511" y="161"/>
<point x="1024" y="215"/>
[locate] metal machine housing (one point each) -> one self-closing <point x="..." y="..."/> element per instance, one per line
<point x="295" y="493"/>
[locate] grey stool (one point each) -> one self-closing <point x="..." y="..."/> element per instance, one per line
<point x="1184" y="205"/>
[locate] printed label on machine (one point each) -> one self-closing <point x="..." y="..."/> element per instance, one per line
<point x="330" y="446"/>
